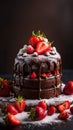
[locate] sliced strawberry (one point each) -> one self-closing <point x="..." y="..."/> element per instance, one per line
<point x="37" y="113"/>
<point x="71" y="110"/>
<point x="61" y="108"/>
<point x="43" y="75"/>
<point x="42" y="104"/>
<point x="51" y="110"/>
<point x="63" y="115"/>
<point x="64" y="106"/>
<point x="12" y="120"/>
<point x="33" y="75"/>
<point x="20" y="104"/>
<point x="30" y="49"/>
<point x="42" y="47"/>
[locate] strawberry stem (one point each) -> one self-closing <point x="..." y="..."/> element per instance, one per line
<point x="19" y="98"/>
<point x="32" y="114"/>
<point x="38" y="34"/>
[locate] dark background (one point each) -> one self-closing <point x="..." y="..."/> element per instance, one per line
<point x="19" y="17"/>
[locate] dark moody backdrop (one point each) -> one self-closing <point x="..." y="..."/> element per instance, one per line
<point x="19" y="17"/>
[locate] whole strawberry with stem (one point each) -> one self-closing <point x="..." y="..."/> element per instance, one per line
<point x="20" y="104"/>
<point x="35" y="38"/>
<point x="37" y="113"/>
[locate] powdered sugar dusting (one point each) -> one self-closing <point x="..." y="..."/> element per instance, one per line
<point x="24" y="116"/>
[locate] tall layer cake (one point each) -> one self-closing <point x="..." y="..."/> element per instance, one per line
<point x="37" y="69"/>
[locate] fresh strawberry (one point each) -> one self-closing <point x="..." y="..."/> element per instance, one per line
<point x="51" y="110"/>
<point x="48" y="74"/>
<point x="37" y="113"/>
<point x="20" y="104"/>
<point x="42" y="47"/>
<point x="56" y="72"/>
<point x="68" y="89"/>
<point x="42" y="104"/>
<point x="33" y="75"/>
<point x="10" y="109"/>
<point x="30" y="49"/>
<point x="43" y="75"/>
<point x="12" y="120"/>
<point x="35" y="38"/>
<point x="4" y="88"/>
<point x="60" y="108"/>
<point x="63" y="115"/>
<point x="64" y="106"/>
<point x="71" y="110"/>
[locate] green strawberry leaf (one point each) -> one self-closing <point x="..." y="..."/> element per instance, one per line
<point x="38" y="34"/>
<point x="19" y="98"/>
<point x="1" y="79"/>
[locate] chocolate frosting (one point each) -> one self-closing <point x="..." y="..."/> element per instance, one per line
<point x="40" y="87"/>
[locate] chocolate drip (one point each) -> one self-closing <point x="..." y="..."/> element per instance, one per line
<point x="39" y="93"/>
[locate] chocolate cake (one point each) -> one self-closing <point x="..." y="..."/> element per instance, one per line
<point x="38" y="74"/>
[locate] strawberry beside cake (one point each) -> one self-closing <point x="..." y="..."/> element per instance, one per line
<point x="37" y="69"/>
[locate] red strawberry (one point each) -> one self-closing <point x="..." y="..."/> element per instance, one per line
<point x="68" y="89"/>
<point x="71" y="110"/>
<point x="12" y="120"/>
<point x="30" y="49"/>
<point x="61" y="108"/>
<point x="37" y="113"/>
<point x="35" y="38"/>
<point x="4" y="88"/>
<point x="42" y="104"/>
<point x="48" y="74"/>
<point x="33" y="75"/>
<point x="20" y="104"/>
<point x="56" y="72"/>
<point x="51" y="110"/>
<point x="42" y="47"/>
<point x="43" y="75"/>
<point x="63" y="115"/>
<point x="64" y="106"/>
<point x="11" y="109"/>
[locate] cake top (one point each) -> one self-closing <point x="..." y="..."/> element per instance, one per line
<point x="38" y="46"/>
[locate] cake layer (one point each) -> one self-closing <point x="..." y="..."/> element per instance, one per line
<point x="38" y="88"/>
<point x="39" y="64"/>
<point x="34" y="94"/>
